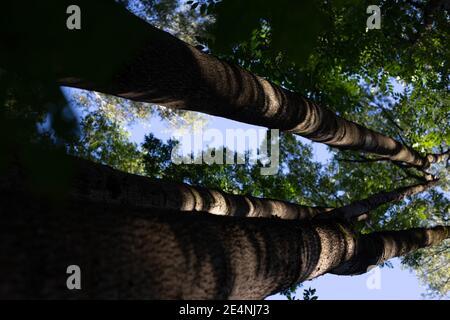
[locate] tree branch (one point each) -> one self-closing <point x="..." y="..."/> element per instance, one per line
<point x="375" y="248"/>
<point x="438" y="157"/>
<point x="361" y="207"/>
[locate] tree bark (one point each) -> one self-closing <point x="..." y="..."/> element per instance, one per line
<point x="374" y="248"/>
<point x="360" y="207"/>
<point x="127" y="252"/>
<point x="150" y="65"/>
<point x="102" y="184"/>
<point x="438" y="157"/>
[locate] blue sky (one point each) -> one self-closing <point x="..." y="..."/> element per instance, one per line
<point x="394" y="284"/>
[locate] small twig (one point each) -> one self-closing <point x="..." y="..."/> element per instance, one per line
<point x="407" y="170"/>
<point x="338" y="199"/>
<point x="360" y="160"/>
<point x="391" y="118"/>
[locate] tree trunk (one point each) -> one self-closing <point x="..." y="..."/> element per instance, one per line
<point x="102" y="184"/>
<point x="124" y="251"/>
<point x="150" y="65"/>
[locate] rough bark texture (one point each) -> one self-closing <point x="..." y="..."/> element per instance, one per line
<point x="374" y="248"/>
<point x="126" y="252"/>
<point x="126" y="189"/>
<point x="152" y="66"/>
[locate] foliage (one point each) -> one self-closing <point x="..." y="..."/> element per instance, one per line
<point x="308" y="294"/>
<point x="105" y="141"/>
<point x="172" y="17"/>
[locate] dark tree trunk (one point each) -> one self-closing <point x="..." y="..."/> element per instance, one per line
<point x="103" y="184"/>
<point x="150" y="65"/>
<point x="127" y="251"/>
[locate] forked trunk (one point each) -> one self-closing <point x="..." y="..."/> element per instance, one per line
<point x="125" y="251"/>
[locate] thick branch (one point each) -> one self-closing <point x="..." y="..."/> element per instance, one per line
<point x="363" y="160"/>
<point x="358" y="208"/>
<point x="377" y="247"/>
<point x="438" y="157"/>
<point x="406" y="169"/>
